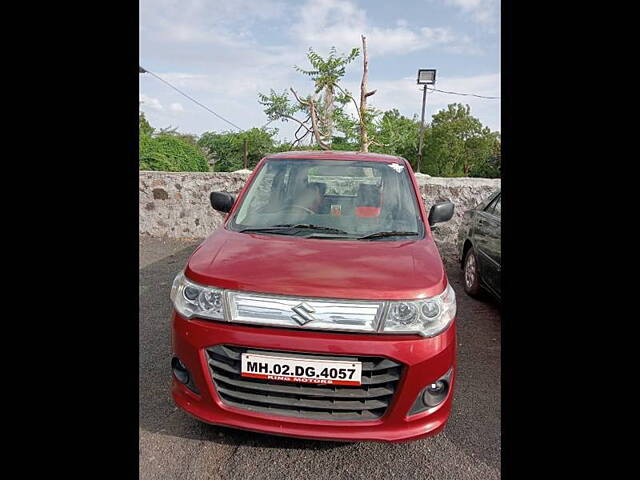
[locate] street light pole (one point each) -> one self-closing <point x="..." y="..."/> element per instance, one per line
<point x="424" y="103"/>
<point x="426" y="76"/>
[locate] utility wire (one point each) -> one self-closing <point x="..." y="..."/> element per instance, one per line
<point x="190" y="98"/>
<point x="462" y="94"/>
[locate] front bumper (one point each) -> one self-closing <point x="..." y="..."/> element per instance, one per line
<point x="424" y="359"/>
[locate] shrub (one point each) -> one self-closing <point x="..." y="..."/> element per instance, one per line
<point x="171" y="154"/>
<point x="227" y="148"/>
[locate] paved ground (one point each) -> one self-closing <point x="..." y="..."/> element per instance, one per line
<point x="175" y="446"/>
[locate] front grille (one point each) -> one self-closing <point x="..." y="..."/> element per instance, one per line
<point x="362" y="316"/>
<point x="368" y="401"/>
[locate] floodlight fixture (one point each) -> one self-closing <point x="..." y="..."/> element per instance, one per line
<point x="426" y="76"/>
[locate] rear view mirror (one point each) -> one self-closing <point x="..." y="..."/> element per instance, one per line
<point x="222" y="201"/>
<point x="440" y="212"/>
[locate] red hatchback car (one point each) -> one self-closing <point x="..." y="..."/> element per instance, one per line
<point x="321" y="308"/>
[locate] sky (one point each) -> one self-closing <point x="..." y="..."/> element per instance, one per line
<point x="223" y="53"/>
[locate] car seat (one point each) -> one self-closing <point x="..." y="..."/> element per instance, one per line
<point x="369" y="201"/>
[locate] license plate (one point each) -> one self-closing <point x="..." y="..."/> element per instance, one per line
<point x="298" y="370"/>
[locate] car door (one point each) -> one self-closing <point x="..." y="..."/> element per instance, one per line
<point x="494" y="245"/>
<point x="488" y="244"/>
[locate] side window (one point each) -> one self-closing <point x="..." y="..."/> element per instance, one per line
<point x="494" y="207"/>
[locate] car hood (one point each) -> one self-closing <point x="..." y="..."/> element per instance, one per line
<point x="285" y="265"/>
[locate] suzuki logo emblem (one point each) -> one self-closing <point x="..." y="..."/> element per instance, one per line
<point x="303" y="313"/>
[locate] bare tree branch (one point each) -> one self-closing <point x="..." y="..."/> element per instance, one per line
<point x="296" y="120"/>
<point x="302" y="102"/>
<point x="314" y="123"/>
<point x="346" y="94"/>
<point x="298" y="141"/>
<point x="364" y="141"/>
<point x="314" y="119"/>
<point x="296" y="133"/>
<point x="373" y="141"/>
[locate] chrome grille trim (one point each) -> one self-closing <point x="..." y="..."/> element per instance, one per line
<point x="337" y="315"/>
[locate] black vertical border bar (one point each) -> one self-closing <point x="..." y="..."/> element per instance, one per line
<point x="507" y="366"/>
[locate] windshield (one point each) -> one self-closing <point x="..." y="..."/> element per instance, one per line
<point x="348" y="198"/>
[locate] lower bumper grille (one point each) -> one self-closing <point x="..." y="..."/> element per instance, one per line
<point x="368" y="401"/>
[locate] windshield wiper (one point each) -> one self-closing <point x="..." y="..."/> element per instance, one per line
<point x="285" y="229"/>
<point x="280" y="230"/>
<point x="386" y="234"/>
<point x="310" y="226"/>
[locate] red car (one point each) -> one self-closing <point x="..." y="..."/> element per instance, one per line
<point x="321" y="308"/>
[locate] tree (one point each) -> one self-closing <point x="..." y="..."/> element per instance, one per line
<point x="398" y="135"/>
<point x="227" y="148"/>
<point x="173" y="132"/>
<point x="280" y="107"/>
<point x="327" y="112"/>
<point x="456" y="142"/>
<point x="145" y="127"/>
<point x="491" y="166"/>
<point x="363" y="126"/>
<point x="319" y="114"/>
<point x="326" y="74"/>
<point x="364" y="94"/>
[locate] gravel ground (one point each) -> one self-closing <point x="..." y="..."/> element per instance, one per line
<point x="153" y="249"/>
<point x="175" y="446"/>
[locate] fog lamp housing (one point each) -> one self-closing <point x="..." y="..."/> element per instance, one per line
<point x="433" y="394"/>
<point x="182" y="375"/>
<point x="179" y="370"/>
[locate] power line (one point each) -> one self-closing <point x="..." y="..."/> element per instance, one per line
<point x="144" y="70"/>
<point x="463" y="94"/>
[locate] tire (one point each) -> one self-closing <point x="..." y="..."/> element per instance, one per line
<point x="471" y="275"/>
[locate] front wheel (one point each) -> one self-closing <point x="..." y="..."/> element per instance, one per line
<point x="471" y="276"/>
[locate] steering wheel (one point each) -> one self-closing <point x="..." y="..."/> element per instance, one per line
<point x="290" y="207"/>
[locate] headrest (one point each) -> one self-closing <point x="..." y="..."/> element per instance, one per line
<point x="321" y="187"/>
<point x="368" y="195"/>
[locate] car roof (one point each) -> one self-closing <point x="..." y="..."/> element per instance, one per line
<point x="336" y="155"/>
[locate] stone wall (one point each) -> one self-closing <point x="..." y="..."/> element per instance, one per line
<point x="176" y="205"/>
<point x="465" y="193"/>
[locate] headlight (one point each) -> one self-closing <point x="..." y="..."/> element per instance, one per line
<point x="191" y="299"/>
<point x="427" y="317"/>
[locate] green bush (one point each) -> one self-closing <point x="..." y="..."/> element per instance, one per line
<point x="489" y="168"/>
<point x="227" y="148"/>
<point x="171" y="154"/>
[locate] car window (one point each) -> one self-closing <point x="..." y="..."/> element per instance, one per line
<point x="494" y="207"/>
<point x="358" y="197"/>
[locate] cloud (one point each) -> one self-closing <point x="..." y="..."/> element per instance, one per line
<point x="176" y="107"/>
<point x="206" y="21"/>
<point x="485" y="12"/>
<point x="150" y="102"/>
<point x="339" y="23"/>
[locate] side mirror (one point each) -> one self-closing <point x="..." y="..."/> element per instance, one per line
<point x="440" y="212"/>
<point x="222" y="201"/>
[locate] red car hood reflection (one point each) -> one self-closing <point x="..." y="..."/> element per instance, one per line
<point x="285" y="265"/>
